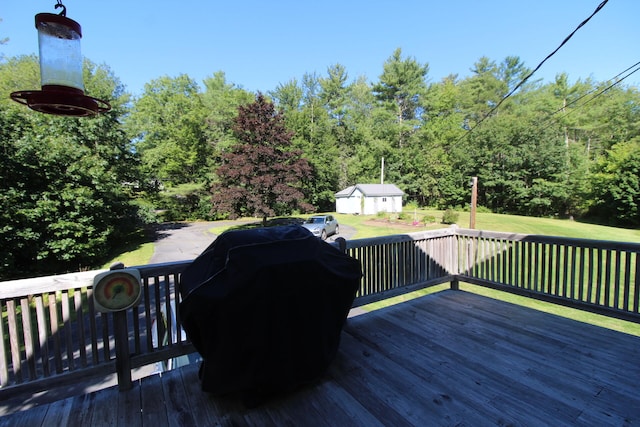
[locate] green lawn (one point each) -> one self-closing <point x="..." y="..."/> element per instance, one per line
<point x="549" y="227"/>
<point x="141" y="255"/>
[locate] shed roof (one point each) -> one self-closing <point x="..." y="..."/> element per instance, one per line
<point x="371" y="190"/>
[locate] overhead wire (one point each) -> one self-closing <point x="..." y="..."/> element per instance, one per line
<point x="528" y="76"/>
<point x="616" y="81"/>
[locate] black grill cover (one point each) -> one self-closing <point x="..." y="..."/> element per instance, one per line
<point x="265" y="308"/>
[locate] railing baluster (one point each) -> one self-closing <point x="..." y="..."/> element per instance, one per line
<point x="77" y="297"/>
<point x="14" y="340"/>
<point x="41" y="322"/>
<point x="590" y="272"/>
<point x="147" y="312"/>
<point x="607" y="280"/>
<point x="627" y="282"/>
<point x="636" y="286"/>
<point x="27" y="333"/>
<point x="581" y="275"/>
<point x="4" y="361"/>
<point x="66" y="320"/>
<point x="617" y="280"/>
<point x="93" y="328"/>
<point x="42" y="334"/>
<point x="55" y="328"/>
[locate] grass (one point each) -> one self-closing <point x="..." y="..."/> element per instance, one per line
<point x="141" y="255"/>
<point x="548" y="227"/>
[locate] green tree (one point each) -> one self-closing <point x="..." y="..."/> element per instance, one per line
<point x="521" y="168"/>
<point x="63" y="199"/>
<point x="401" y="86"/>
<point x="334" y="93"/>
<point x="481" y="92"/>
<point x="355" y="162"/>
<point x="617" y="185"/>
<point x="316" y="111"/>
<point x="221" y="100"/>
<point x="167" y="125"/>
<point x="260" y="175"/>
<point x="435" y="175"/>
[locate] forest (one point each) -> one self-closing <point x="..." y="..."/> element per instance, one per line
<point x="72" y="189"/>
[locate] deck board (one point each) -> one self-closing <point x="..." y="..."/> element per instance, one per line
<point x="451" y="358"/>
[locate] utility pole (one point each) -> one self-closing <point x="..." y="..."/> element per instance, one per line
<point x="382" y="171"/>
<point x="474" y="202"/>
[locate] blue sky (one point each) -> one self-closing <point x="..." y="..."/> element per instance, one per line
<point x="260" y="44"/>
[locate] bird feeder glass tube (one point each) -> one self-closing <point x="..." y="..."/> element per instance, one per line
<point x="60" y="55"/>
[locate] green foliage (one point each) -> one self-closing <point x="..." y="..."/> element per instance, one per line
<point x="428" y="219"/>
<point x="145" y="211"/>
<point x="313" y="127"/>
<point x="400" y="91"/>
<point x="62" y="200"/>
<point x="167" y="123"/>
<point x="617" y="185"/>
<point x="404" y="216"/>
<point x="450" y="217"/>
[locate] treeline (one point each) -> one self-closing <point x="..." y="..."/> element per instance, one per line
<point x="72" y="188"/>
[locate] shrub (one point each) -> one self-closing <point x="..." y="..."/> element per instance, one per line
<point x="145" y="212"/>
<point x="450" y="216"/>
<point x="428" y="219"/>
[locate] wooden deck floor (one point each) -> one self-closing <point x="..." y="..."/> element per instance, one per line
<point x="451" y="358"/>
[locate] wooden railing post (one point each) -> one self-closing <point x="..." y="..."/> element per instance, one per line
<point x="121" y="337"/>
<point x="123" y="360"/>
<point x="454" y="252"/>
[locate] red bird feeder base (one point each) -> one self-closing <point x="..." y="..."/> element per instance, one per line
<point x="61" y="101"/>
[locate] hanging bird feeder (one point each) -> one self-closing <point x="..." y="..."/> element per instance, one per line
<point x="62" y="91"/>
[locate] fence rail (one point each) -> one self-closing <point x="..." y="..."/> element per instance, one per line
<point x="598" y="276"/>
<point x="52" y="334"/>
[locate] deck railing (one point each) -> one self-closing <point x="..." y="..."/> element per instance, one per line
<point x="53" y="335"/>
<point x="593" y="275"/>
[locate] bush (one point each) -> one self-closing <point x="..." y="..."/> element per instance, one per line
<point x="403" y="216"/>
<point x="145" y="212"/>
<point x="450" y="217"/>
<point x="428" y="219"/>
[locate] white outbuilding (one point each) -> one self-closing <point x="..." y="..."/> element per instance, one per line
<point x="369" y="199"/>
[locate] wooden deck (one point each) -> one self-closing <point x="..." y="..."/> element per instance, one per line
<point x="451" y="358"/>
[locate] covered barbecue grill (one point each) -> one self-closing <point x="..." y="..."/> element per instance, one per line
<point x="265" y="308"/>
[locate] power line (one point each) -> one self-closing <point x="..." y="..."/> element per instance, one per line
<point x="523" y="81"/>
<point x="617" y="81"/>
